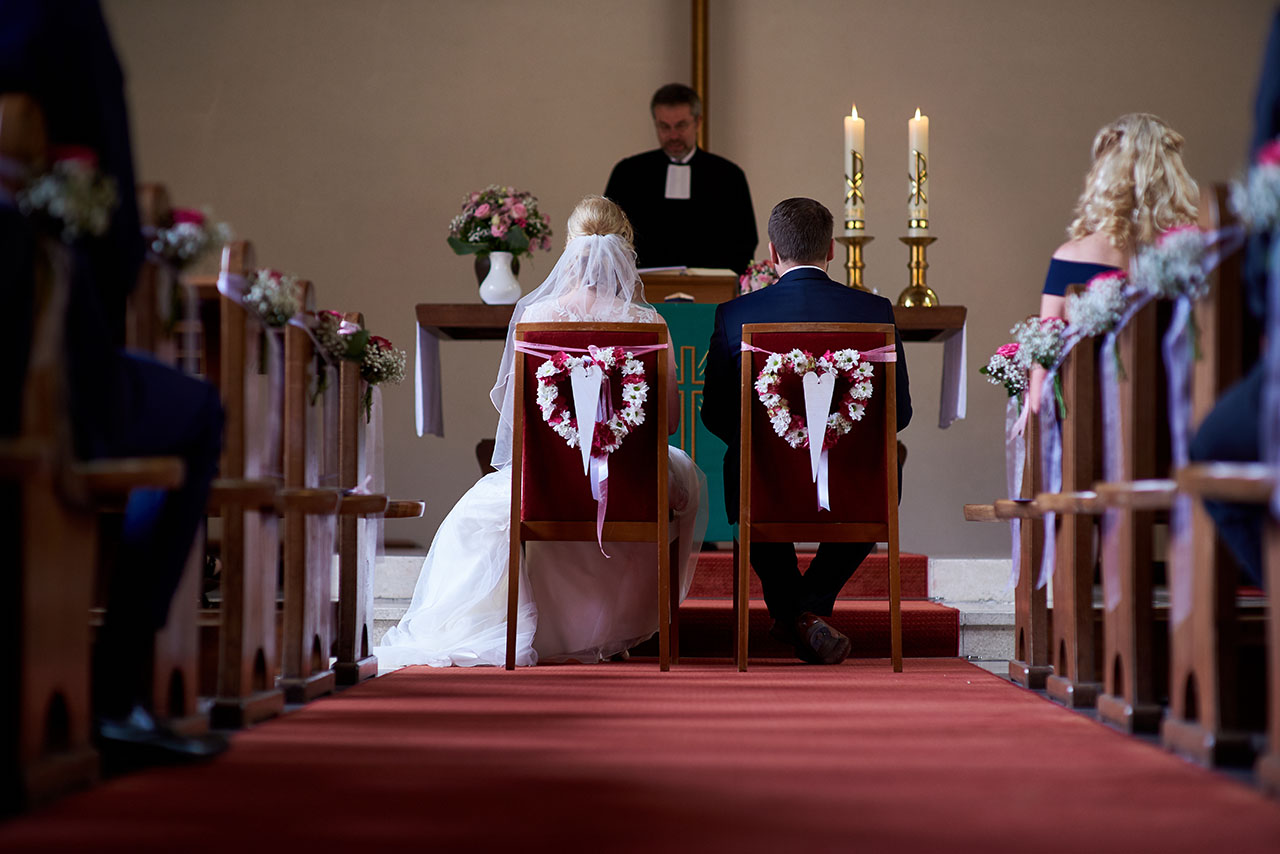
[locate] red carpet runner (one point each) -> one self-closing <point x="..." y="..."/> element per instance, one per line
<point x="941" y="758"/>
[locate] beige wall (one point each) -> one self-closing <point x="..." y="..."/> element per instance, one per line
<point x="341" y="136"/>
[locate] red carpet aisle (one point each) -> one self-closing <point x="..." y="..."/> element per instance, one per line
<point x="943" y="757"/>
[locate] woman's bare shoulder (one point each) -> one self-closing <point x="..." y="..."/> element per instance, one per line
<point x="1095" y="248"/>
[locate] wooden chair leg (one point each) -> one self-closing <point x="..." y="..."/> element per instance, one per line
<point x="674" y="572"/>
<point x="1268" y="765"/>
<point x="665" y="595"/>
<point x="513" y="591"/>
<point x="742" y="587"/>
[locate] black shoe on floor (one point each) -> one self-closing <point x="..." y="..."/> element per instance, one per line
<point x="817" y="642"/>
<point x="138" y="741"/>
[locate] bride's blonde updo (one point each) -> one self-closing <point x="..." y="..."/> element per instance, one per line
<point x="1138" y="187"/>
<point x="598" y="215"/>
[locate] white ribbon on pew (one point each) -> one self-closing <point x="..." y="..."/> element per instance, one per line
<point x="1269" y="430"/>
<point x="954" y="400"/>
<point x="1015" y="458"/>
<point x="427" y="410"/>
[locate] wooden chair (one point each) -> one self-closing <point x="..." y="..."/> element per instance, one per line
<point x="55" y="499"/>
<point x="1073" y="646"/>
<point x="550" y="501"/>
<point x="776" y="499"/>
<point x="1205" y="720"/>
<point x="244" y="496"/>
<point x="360" y="515"/>
<point x="310" y="526"/>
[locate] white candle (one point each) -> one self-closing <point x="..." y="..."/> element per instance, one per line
<point x="855" y="137"/>
<point x="917" y="168"/>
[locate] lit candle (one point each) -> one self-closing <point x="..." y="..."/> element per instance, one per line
<point x="917" y="169"/>
<point x="855" y="133"/>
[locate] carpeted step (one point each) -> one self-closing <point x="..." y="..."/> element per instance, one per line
<point x="715" y="576"/>
<point x="929" y="630"/>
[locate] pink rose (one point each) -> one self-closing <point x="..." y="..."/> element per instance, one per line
<point x="81" y="154"/>
<point x="482" y="211"/>
<point x="334" y="314"/>
<point x="1269" y="154"/>
<point x="499" y="230"/>
<point x="519" y="211"/>
<point x="189" y="215"/>
<point x="1174" y="232"/>
<point x="1106" y="278"/>
<point x="1008" y="350"/>
<point x="380" y="342"/>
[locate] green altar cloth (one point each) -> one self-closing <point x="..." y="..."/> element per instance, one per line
<point x="691" y="325"/>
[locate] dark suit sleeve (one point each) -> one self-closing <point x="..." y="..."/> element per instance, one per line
<point x="720" y="401"/>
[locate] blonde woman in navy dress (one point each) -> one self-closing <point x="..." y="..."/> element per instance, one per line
<point x="1137" y="189"/>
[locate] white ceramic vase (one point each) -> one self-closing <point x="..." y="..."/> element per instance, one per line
<point x="500" y="287"/>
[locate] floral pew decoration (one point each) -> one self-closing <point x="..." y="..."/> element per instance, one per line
<point x="73" y="194"/>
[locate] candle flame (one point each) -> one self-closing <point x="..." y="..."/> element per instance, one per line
<point x="917" y="112"/>
<point x="854" y="112"/>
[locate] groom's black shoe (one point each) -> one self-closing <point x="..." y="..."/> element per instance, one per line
<point x="817" y="642"/>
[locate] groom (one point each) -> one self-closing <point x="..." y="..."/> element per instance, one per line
<point x="800" y="247"/>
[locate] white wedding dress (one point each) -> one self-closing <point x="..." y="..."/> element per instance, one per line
<point x="575" y="604"/>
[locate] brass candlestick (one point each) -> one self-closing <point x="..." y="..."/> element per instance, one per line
<point x="918" y="294"/>
<point x="853" y="260"/>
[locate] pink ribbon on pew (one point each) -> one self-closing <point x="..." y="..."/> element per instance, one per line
<point x="598" y="470"/>
<point x="887" y="353"/>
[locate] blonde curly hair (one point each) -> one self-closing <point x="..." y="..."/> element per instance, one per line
<point x="598" y="215"/>
<point x="1138" y="187"/>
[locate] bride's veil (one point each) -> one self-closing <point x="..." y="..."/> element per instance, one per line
<point x="595" y="280"/>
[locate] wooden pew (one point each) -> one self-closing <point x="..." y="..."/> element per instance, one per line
<point x="47" y="750"/>
<point x="1031" y="664"/>
<point x="1133" y="680"/>
<point x="245" y="499"/>
<point x="1205" y="721"/>
<point x="1072" y="643"/>
<point x="1248" y="483"/>
<point x="309" y="514"/>
<point x="357" y="532"/>
<point x="146" y="329"/>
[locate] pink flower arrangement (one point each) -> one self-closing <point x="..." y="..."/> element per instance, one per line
<point x="499" y="219"/>
<point x="1269" y="154"/>
<point x="1008" y="350"/>
<point x="759" y="275"/>
<point x="607" y="435"/>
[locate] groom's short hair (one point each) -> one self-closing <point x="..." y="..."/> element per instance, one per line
<point x="800" y="230"/>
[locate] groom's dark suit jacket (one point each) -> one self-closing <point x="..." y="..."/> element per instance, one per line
<point x="802" y="295"/>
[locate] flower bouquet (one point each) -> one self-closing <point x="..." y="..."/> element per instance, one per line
<point x="1174" y="265"/>
<point x="72" y="194"/>
<point x="381" y="362"/>
<point x="337" y="340"/>
<point x="759" y="275"/>
<point x="499" y="219"/>
<point x="273" y="296"/>
<point x="1256" y="199"/>
<point x="1004" y="369"/>
<point x="1040" y="343"/>
<point x="190" y="236"/>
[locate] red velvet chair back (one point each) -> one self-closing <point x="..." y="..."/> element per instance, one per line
<point x="553" y="487"/>
<point x="782" y="487"/>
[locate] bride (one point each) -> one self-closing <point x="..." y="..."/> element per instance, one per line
<point x="575" y="604"/>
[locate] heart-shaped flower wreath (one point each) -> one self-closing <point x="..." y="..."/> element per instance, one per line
<point x="844" y="363"/>
<point x="610" y="432"/>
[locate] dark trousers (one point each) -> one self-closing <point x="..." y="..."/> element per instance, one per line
<point x="1230" y="433"/>
<point x="160" y="412"/>
<point x="789" y="593"/>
